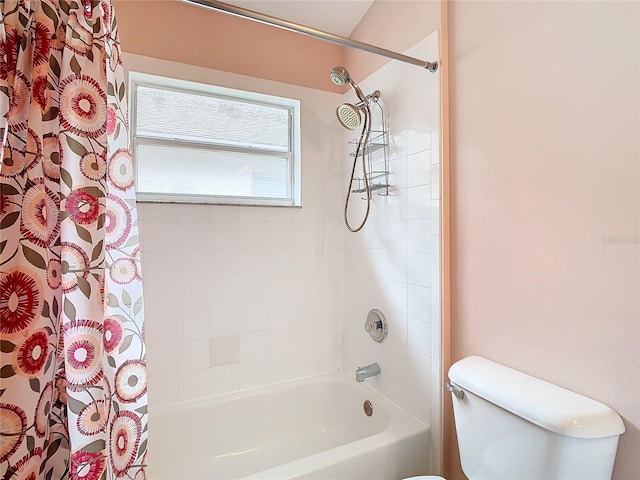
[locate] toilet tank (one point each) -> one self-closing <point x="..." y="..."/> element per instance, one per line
<point x="511" y="425"/>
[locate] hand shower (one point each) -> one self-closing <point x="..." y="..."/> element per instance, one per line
<point x="349" y="117"/>
<point x="340" y="76"/>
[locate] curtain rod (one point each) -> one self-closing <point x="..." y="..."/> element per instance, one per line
<point x="312" y="32"/>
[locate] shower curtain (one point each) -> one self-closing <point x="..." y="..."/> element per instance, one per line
<point x="72" y="356"/>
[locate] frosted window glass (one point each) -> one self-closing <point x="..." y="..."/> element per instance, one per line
<point x="199" y="117"/>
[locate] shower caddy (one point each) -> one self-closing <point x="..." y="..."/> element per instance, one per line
<point x="376" y="153"/>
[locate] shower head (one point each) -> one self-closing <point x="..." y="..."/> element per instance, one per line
<point x="348" y="116"/>
<point x="340" y="76"/>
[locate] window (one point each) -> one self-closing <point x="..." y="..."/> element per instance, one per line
<point x="204" y="144"/>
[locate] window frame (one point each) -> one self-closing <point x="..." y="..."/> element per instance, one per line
<point x="293" y="153"/>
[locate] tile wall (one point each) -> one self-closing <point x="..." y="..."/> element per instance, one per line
<point x="393" y="263"/>
<point x="238" y="297"/>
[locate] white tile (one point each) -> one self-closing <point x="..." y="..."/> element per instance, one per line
<point x="160" y="316"/>
<point x="162" y="358"/>
<point x="282" y="315"/>
<point x="279" y="368"/>
<point x="224" y="379"/>
<point x="306" y="343"/>
<point x="194" y="319"/>
<point x="419" y="269"/>
<point x="377" y="261"/>
<point x="419" y="169"/>
<point x="159" y="236"/>
<point x="398" y="146"/>
<point x="192" y="237"/>
<point x="279" y="342"/>
<point x="193" y="214"/>
<point x="397" y="335"/>
<point x="418" y="402"/>
<point x="435" y="270"/>
<point x="420" y="337"/>
<point x="435" y="217"/>
<point x="373" y="235"/>
<point x="163" y="389"/>
<point x="140" y="210"/>
<point x="334" y="237"/>
<point x="419" y="235"/>
<point x="397" y="204"/>
<point x="161" y="212"/>
<point x="418" y="202"/>
<point x="378" y="212"/>
<point x="397" y="235"/>
<point x="250" y="234"/>
<point x="224" y="350"/>
<point x="253" y="346"/>
<point x="397" y="266"/>
<point x="435" y="146"/>
<point x="253" y="374"/>
<point x="328" y="353"/>
<point x="223" y="321"/>
<point x="194" y="384"/>
<point x="418" y="139"/>
<point x="257" y="317"/>
<point x="436" y="322"/>
<point x="419" y="302"/>
<point x="252" y="214"/>
<point x="414" y="119"/>
<point x="253" y="288"/>
<point x="435" y="245"/>
<point x="398" y="172"/>
<point x="223" y="214"/>
<point x="435" y="457"/>
<point x="279" y="356"/>
<point x="194" y="354"/>
<point x="396" y="296"/>
<point x="435" y="293"/>
<point x="435" y="358"/>
<point x="435" y="181"/>
<point x="279" y="215"/>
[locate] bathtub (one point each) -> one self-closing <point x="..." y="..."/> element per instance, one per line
<point x="313" y="429"/>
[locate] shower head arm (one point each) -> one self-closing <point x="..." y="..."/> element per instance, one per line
<point x="375" y="96"/>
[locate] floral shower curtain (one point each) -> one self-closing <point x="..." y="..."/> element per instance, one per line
<point x="72" y="356"/>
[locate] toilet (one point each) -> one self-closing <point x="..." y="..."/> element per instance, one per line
<point x="511" y="425"/>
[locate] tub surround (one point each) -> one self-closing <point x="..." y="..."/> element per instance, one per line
<point x="239" y="297"/>
<point x="393" y="263"/>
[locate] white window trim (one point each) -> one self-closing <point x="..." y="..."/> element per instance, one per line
<point x="143" y="79"/>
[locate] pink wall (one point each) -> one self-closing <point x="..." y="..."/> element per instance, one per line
<point x="545" y="185"/>
<point x="179" y="32"/>
<point x="394" y="25"/>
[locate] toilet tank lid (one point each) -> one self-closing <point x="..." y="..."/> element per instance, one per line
<point x="542" y="403"/>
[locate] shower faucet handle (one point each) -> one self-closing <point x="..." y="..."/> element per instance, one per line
<point x="376" y="325"/>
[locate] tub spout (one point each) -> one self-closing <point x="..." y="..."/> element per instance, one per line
<point x="366" y="372"/>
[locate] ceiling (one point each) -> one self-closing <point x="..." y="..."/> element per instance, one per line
<point x="339" y="17"/>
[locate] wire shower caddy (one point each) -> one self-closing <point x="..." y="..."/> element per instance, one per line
<point x="375" y="153"/>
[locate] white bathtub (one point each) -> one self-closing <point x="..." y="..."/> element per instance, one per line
<point x="313" y="429"/>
